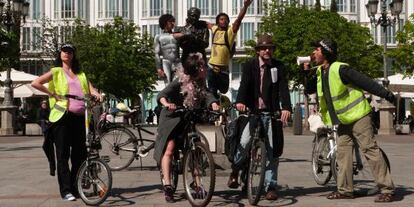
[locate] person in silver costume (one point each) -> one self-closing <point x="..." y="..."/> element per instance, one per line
<point x="167" y="57"/>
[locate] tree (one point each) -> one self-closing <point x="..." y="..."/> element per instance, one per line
<point x="318" y="5"/>
<point x="334" y="7"/>
<point x="404" y="53"/>
<point x="116" y="57"/>
<point x="293" y="30"/>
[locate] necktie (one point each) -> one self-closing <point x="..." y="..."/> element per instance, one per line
<point x="261" y="102"/>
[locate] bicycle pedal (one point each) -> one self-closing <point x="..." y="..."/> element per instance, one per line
<point x="106" y="158"/>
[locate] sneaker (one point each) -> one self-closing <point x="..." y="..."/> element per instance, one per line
<point x="69" y="197"/>
<point x="169" y="194"/>
<point x="232" y="182"/>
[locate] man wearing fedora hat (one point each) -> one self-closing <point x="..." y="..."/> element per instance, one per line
<point x="263" y="88"/>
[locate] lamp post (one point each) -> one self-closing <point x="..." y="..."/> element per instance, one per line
<point x="386" y="124"/>
<point x="11" y="12"/>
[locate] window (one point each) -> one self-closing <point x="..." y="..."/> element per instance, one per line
<point x="247" y="32"/>
<point x="113" y="8"/>
<point x="156" y="7"/>
<point x="26" y="39"/>
<point x="36" y="11"/>
<point x="353" y="6"/>
<point x="341" y="5"/>
<point x="236" y="71"/>
<point x="36" y="39"/>
<point x="125" y="8"/>
<point x="82" y="8"/>
<point x="207" y="7"/>
<point x="391" y="34"/>
<point x="255" y="8"/>
<point x="154" y="29"/>
<point x="68" y="8"/>
<point x="65" y="33"/>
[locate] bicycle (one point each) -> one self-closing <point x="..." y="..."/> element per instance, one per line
<point x="258" y="157"/>
<point x="324" y="165"/>
<point x="94" y="178"/>
<point x="120" y="145"/>
<point x="197" y="168"/>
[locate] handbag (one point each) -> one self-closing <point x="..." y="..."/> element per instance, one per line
<point x="315" y="122"/>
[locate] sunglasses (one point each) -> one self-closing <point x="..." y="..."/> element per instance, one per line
<point x="265" y="48"/>
<point x="67" y="51"/>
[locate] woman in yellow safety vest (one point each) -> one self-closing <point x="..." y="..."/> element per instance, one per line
<point x="67" y="116"/>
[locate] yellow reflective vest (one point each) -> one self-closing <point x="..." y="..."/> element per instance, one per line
<point x="59" y="86"/>
<point x="349" y="102"/>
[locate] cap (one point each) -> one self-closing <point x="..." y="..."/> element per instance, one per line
<point x="67" y="47"/>
<point x="264" y="40"/>
<point x="326" y="44"/>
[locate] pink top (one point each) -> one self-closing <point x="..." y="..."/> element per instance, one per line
<point x="75" y="106"/>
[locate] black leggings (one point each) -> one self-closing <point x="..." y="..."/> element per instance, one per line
<point x="69" y="137"/>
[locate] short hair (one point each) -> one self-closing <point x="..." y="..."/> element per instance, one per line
<point x="222" y="14"/>
<point x="164" y="19"/>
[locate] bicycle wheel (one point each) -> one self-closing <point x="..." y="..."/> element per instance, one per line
<point x="119" y="146"/>
<point x="256" y="173"/>
<point x="94" y="181"/>
<point x="175" y="171"/>
<point x="321" y="168"/>
<point x="199" y="175"/>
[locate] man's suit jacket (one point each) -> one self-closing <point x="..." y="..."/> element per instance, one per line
<point x="275" y="95"/>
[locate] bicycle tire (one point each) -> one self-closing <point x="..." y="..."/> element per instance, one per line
<point x="321" y="168"/>
<point x="94" y="182"/>
<point x="195" y="191"/>
<point x="175" y="171"/>
<point x="120" y="146"/>
<point x="257" y="161"/>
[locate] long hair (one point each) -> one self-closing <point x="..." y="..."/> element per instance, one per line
<point x="75" y="63"/>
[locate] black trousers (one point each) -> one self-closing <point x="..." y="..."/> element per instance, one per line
<point x="69" y="138"/>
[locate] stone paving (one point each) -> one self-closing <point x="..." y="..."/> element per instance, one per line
<point x="25" y="181"/>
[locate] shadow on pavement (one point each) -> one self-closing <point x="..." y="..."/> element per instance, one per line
<point x="124" y="196"/>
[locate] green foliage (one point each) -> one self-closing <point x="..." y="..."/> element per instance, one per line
<point x="116" y="57"/>
<point x="293" y="30"/>
<point x="404" y="53"/>
<point x="9" y="50"/>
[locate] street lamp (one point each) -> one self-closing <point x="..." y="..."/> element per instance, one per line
<point x="11" y="12"/>
<point x="384" y="20"/>
<point x="386" y="109"/>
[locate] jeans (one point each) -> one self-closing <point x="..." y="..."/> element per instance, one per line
<point x="272" y="162"/>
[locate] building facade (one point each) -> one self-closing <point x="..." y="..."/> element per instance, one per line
<point x="145" y="14"/>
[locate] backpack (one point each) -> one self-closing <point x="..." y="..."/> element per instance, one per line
<point x="233" y="134"/>
<point x="232" y="50"/>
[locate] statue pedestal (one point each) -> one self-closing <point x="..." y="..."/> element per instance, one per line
<point x="386" y="118"/>
<point x="7" y="120"/>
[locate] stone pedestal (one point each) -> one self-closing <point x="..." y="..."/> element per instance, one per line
<point x="7" y="120"/>
<point x="386" y="118"/>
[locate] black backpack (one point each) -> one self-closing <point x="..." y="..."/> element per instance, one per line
<point x="232" y="49"/>
<point x="234" y="131"/>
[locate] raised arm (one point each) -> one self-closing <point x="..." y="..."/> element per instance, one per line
<point x="236" y="24"/>
<point x="38" y="83"/>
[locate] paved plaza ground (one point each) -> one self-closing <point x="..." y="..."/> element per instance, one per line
<point x="25" y="181"/>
